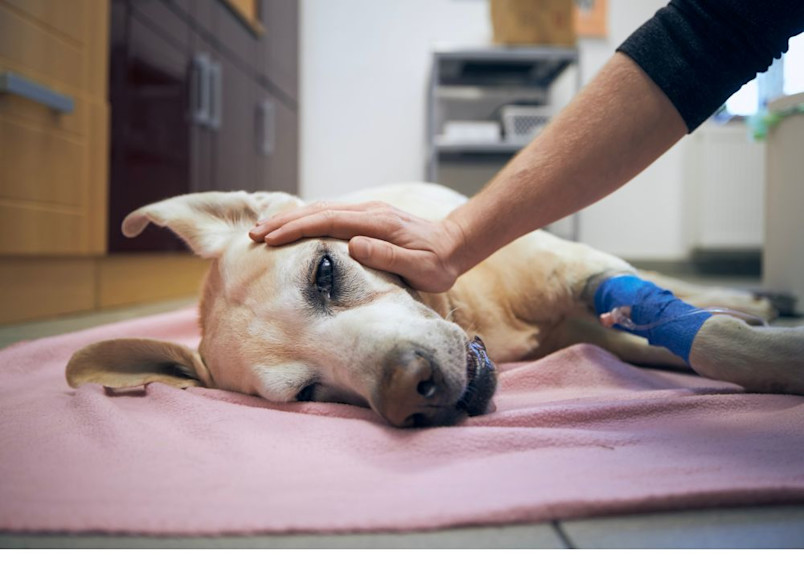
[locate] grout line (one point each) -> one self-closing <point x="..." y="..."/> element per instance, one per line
<point x="565" y="539"/>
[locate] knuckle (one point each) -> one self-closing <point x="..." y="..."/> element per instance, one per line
<point x="329" y="216"/>
<point x="390" y="256"/>
<point x="394" y="221"/>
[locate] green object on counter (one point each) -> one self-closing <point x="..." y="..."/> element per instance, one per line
<point x="763" y="121"/>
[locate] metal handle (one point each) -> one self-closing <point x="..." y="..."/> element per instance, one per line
<point x="267" y="110"/>
<point x="216" y="93"/>
<point x="12" y="83"/>
<point x="200" y="89"/>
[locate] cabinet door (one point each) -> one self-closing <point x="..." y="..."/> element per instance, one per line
<point x="277" y="145"/>
<point x="53" y="162"/>
<point x="278" y="50"/>
<point x="235" y="159"/>
<point x="202" y="136"/>
<point x="150" y="129"/>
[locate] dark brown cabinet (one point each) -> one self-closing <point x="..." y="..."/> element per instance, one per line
<point x="200" y="101"/>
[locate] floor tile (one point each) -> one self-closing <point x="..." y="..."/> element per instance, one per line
<point x="757" y="527"/>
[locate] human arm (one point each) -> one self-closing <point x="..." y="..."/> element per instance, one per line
<point x="670" y="75"/>
<point x="617" y="125"/>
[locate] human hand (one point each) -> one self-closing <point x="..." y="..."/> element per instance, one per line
<point x="424" y="253"/>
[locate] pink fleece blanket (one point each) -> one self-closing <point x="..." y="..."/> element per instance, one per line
<point x="576" y="434"/>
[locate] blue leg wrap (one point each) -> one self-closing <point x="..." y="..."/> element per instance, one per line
<point x="649" y="305"/>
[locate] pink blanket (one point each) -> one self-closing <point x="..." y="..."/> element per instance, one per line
<point x="576" y="434"/>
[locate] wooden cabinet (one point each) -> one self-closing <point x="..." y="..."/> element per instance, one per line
<point x="191" y="85"/>
<point x="53" y="162"/>
<point x="123" y="75"/>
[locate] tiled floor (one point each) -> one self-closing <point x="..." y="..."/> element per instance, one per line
<point x="756" y="527"/>
<point x="780" y="527"/>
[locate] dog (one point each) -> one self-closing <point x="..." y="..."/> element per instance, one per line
<point x="305" y="322"/>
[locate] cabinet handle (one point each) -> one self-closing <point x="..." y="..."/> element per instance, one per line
<point x="216" y="93"/>
<point x="12" y="83"/>
<point x="267" y="111"/>
<point x="200" y="89"/>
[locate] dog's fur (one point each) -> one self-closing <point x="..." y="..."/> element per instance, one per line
<point x="306" y="322"/>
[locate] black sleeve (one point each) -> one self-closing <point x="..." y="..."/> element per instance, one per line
<point x="699" y="52"/>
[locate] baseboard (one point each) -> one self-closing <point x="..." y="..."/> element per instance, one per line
<point x="743" y="263"/>
<point x="747" y="262"/>
<point x="38" y="288"/>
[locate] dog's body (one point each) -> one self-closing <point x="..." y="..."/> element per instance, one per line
<point x="306" y="322"/>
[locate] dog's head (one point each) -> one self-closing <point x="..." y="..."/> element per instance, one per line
<point x="302" y="322"/>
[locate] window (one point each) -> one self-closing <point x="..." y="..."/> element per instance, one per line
<point x="794" y="66"/>
<point x="785" y="76"/>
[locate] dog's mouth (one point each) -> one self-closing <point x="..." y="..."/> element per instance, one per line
<point x="481" y="379"/>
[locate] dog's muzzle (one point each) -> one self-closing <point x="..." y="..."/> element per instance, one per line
<point x="415" y="393"/>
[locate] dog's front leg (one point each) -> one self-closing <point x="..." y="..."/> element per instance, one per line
<point x="761" y="359"/>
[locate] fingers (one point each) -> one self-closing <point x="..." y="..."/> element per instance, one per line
<point x="329" y="223"/>
<point x="417" y="267"/>
<point x="318" y="219"/>
<point x="381" y="237"/>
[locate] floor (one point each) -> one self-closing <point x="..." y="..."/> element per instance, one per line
<point x="749" y="527"/>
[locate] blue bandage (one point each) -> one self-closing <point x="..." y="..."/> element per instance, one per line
<point x="651" y="305"/>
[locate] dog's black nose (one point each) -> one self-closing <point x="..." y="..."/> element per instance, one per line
<point x="411" y="388"/>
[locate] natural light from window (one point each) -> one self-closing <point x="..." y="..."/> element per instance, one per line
<point x="794" y="66"/>
<point x="746" y="100"/>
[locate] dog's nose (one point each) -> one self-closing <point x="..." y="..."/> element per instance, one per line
<point x="410" y="388"/>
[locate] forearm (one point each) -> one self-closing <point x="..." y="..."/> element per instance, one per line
<point x="572" y="164"/>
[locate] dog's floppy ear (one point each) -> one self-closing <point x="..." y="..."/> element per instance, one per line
<point x="131" y="362"/>
<point x="206" y="221"/>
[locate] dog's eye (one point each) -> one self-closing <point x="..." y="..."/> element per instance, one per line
<point x="325" y="277"/>
<point x="306" y="394"/>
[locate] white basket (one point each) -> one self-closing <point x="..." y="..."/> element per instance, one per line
<point x="522" y="123"/>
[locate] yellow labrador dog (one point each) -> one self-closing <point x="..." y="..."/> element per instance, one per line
<point x="305" y="322"/>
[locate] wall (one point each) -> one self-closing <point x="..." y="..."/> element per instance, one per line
<point x="364" y="67"/>
<point x="645" y="218"/>
<point x="364" y="74"/>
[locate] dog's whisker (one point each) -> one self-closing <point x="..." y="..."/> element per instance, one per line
<point x="451" y="312"/>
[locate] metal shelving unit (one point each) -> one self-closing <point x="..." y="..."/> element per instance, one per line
<point x="475" y="85"/>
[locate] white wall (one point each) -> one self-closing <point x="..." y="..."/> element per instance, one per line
<point x="644" y="219"/>
<point x="364" y="67"/>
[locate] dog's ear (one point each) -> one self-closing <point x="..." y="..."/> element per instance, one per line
<point x="131" y="362"/>
<point x="206" y="221"/>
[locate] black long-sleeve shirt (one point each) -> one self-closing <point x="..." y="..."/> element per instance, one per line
<point x="699" y="52"/>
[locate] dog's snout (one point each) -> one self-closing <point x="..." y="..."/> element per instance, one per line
<point x="411" y="388"/>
